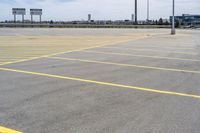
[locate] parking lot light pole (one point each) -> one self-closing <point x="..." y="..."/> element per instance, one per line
<point x="136" y="21"/>
<point x="147" y="11"/>
<point x="173" y="30"/>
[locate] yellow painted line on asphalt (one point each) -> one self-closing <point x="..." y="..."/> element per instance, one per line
<point x="127" y="65"/>
<point x="143" y="56"/>
<point x="4" y="63"/>
<point x="54" y="54"/>
<point x="59" y="53"/>
<point x="7" y="130"/>
<point x="103" y="83"/>
<point x="151" y="50"/>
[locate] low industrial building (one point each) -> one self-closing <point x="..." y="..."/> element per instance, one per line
<point x="187" y="19"/>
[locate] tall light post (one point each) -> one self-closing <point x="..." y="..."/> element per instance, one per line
<point x="147" y="10"/>
<point x="136" y="11"/>
<point x="173" y="30"/>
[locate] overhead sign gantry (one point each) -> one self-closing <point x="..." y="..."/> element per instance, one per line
<point x="18" y="11"/>
<point x="37" y="12"/>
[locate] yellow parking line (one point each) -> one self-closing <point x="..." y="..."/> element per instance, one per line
<point x="7" y="130"/>
<point x="151" y="50"/>
<point x="127" y="65"/>
<point x="143" y="56"/>
<point x="103" y="83"/>
<point x="34" y="58"/>
<point x="54" y="54"/>
<point x="4" y="63"/>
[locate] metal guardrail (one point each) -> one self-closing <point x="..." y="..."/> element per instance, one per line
<point x="48" y="25"/>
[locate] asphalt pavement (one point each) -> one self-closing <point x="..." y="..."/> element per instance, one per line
<point x="150" y="85"/>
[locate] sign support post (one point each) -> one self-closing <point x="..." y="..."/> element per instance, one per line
<point x="22" y="18"/>
<point x="14" y="18"/>
<point x="40" y="18"/>
<point x="31" y="18"/>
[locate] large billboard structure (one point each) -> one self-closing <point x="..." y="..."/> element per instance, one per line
<point x="18" y="11"/>
<point x="37" y="12"/>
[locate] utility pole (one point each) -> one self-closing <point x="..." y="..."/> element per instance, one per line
<point x="173" y="30"/>
<point x="136" y="11"/>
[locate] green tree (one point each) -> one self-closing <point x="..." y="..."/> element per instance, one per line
<point x="160" y="22"/>
<point x="177" y="24"/>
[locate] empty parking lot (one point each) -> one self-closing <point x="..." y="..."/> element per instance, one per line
<point x="99" y="81"/>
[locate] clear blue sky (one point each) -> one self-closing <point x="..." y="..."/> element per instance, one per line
<point x="100" y="9"/>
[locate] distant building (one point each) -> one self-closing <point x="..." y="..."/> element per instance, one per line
<point x="165" y="20"/>
<point x="89" y="17"/>
<point x="132" y="17"/>
<point x="187" y="19"/>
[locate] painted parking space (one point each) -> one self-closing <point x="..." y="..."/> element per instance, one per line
<point x="86" y="68"/>
<point x="91" y="89"/>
